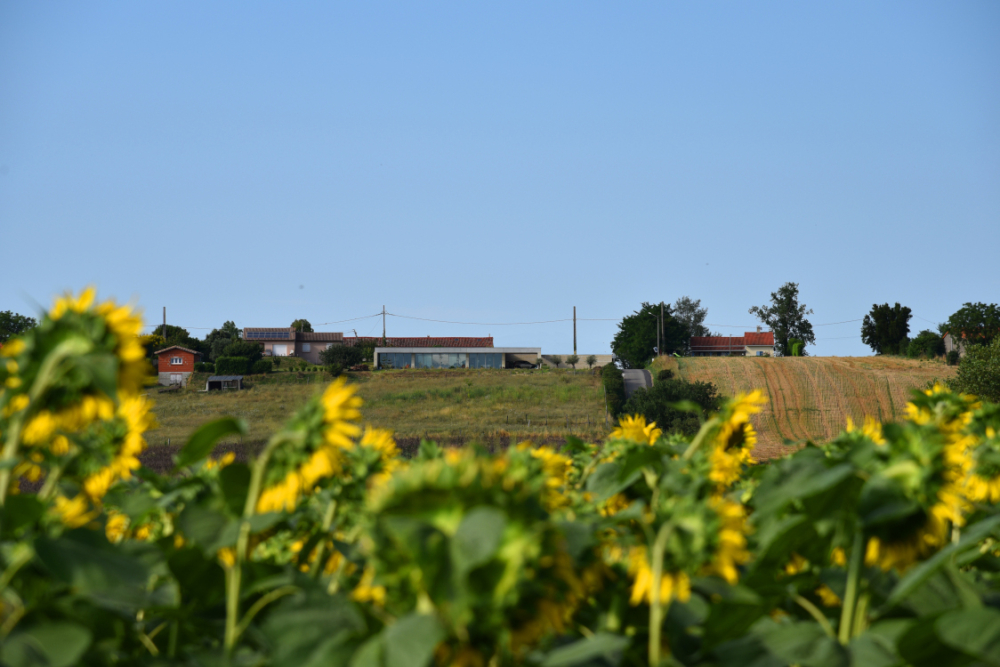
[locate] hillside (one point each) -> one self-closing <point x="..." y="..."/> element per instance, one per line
<point x="451" y="406"/>
<point x="812" y="397"/>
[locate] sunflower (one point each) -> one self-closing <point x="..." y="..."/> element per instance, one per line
<point x="732" y="542"/>
<point x="636" y="429"/>
<point x="673" y="585"/>
<point x="339" y="412"/>
<point x="871" y="429"/>
<point x="734" y="441"/>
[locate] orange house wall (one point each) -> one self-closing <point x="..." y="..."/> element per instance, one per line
<point x="186" y="367"/>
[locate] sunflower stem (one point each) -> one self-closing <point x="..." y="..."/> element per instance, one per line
<point x="317" y="566"/>
<point x="851" y="594"/>
<point x="656" y="606"/>
<point x="814" y="611"/>
<point x="235" y="573"/>
<point x="699" y="439"/>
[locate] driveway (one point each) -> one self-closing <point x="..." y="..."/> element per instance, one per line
<point x="636" y="379"/>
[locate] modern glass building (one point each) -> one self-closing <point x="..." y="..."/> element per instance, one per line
<point x="456" y="357"/>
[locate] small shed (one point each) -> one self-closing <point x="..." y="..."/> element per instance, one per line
<point x="224" y="382"/>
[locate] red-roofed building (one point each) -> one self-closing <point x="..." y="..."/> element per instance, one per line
<point x="750" y="344"/>
<point x="175" y="364"/>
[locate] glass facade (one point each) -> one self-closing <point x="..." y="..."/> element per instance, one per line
<point x="440" y="360"/>
<point x="394" y="360"/>
<point x="485" y="360"/>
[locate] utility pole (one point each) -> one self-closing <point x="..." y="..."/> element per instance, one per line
<point x="164" y="324"/>
<point x="383" y="326"/>
<point x="659" y="348"/>
<point x="574" y="331"/>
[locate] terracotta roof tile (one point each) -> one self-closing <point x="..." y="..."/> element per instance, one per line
<point x="421" y="342"/>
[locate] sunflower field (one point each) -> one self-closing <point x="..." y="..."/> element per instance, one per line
<point x="878" y="548"/>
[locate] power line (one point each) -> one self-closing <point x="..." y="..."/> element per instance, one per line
<point x="480" y="324"/>
<point x="319" y="324"/>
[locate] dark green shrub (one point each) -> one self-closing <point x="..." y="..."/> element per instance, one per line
<point x="261" y="366"/>
<point x="277" y="361"/>
<point x="204" y="367"/>
<point x="657" y="404"/>
<point x="342" y="355"/>
<point x="926" y="344"/>
<point x="979" y="371"/>
<point x="953" y="358"/>
<point x="614" y="387"/>
<point x="665" y="374"/>
<point x="244" y="348"/>
<point x="335" y="369"/>
<point x="232" y="366"/>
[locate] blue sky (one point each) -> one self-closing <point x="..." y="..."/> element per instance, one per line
<point x="501" y="162"/>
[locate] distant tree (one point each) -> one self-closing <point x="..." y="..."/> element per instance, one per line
<point x="218" y="339"/>
<point x="886" y="329"/>
<point x="180" y="336"/>
<point x="926" y="344"/>
<point x="786" y="318"/>
<point x="636" y="338"/>
<point x="572" y="360"/>
<point x="591" y="360"/>
<point x="556" y="359"/>
<point x="659" y="403"/>
<point x="614" y="389"/>
<point x="13" y="324"/>
<point x="302" y="326"/>
<point x="244" y="348"/>
<point x="151" y="343"/>
<point x="979" y="371"/>
<point x="689" y="313"/>
<point x="342" y="356"/>
<point x="975" y="323"/>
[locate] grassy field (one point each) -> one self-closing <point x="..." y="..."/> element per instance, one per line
<point x="450" y="406"/>
<point x="812" y="397"/>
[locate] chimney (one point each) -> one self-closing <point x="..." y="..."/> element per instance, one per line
<point x="758" y="329"/>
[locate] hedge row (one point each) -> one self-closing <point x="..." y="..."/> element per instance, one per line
<point x="614" y="387"/>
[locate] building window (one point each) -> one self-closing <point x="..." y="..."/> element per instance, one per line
<point x="176" y="361"/>
<point x="394" y="360"/>
<point x="485" y="360"/>
<point x="306" y="347"/>
<point x="760" y="353"/>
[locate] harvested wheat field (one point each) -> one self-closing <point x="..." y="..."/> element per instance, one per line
<point x="810" y="398"/>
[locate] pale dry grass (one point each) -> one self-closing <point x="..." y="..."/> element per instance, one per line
<point x="810" y="398"/>
<point x="453" y="406"/>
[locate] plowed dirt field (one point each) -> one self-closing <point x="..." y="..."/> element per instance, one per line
<point x="810" y="398"/>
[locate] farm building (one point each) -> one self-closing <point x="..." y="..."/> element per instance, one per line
<point x="456" y="357"/>
<point x="175" y="364"/>
<point x="750" y="344"/>
<point x="219" y="382"/>
<point x="287" y="342"/>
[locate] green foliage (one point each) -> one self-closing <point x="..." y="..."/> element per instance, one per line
<point x="796" y="347"/>
<point x="556" y="359"/>
<point x="665" y="374"/>
<point x="13" y="324"/>
<point x="878" y="547"/>
<point x="676" y="405"/>
<point x="216" y="342"/>
<point x="591" y="360"/>
<point x="953" y="357"/>
<point x="261" y="366"/>
<point x="975" y="323"/>
<point x="204" y="367"/>
<point x="614" y="388"/>
<point x="886" y="329"/>
<point x="343" y="356"/>
<point x="232" y="366"/>
<point x="787" y="319"/>
<point x="572" y="360"/>
<point x="249" y="350"/>
<point x="689" y="312"/>
<point x="927" y="344"/>
<point x="302" y="326"/>
<point x="634" y="343"/>
<point x="151" y="343"/>
<point x="979" y="371"/>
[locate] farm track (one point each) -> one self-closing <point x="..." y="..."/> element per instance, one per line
<point x="811" y="398"/>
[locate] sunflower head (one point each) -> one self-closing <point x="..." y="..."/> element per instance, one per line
<point x="636" y="429"/>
